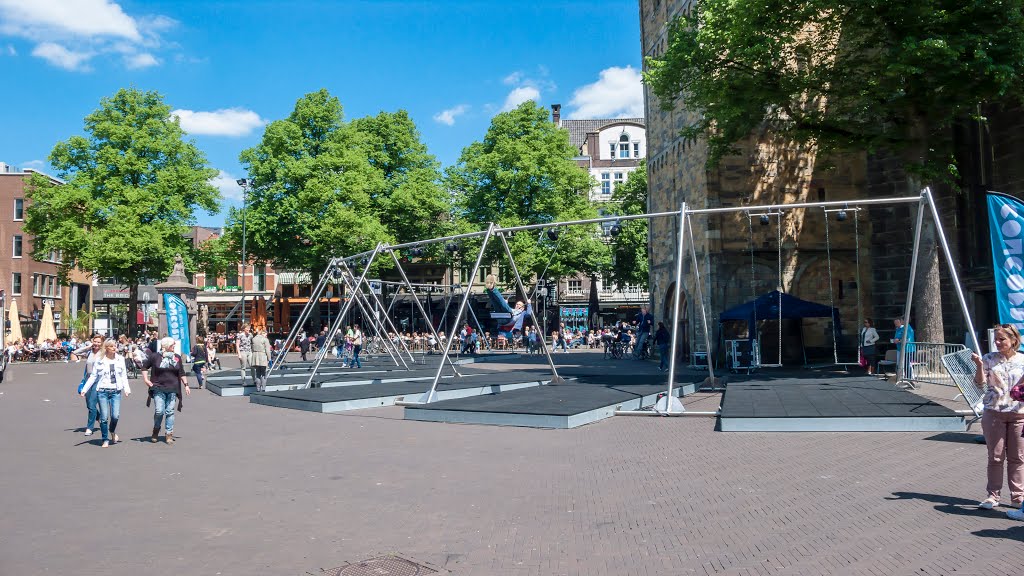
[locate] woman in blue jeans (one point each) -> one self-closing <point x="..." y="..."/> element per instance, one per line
<point x="92" y="352"/>
<point x="166" y="379"/>
<point x="109" y="379"/>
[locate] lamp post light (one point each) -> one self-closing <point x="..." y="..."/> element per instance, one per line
<point x="246" y="184"/>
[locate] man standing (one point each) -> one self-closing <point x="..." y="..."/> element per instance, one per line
<point x="243" y="346"/>
<point x="905" y="332"/>
<point x="644" y="323"/>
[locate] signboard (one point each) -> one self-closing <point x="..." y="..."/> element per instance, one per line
<point x="375" y="287"/>
<point x="574" y="312"/>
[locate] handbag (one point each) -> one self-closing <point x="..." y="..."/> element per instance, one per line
<point x="1017" y="392"/>
<point x="862" y="359"/>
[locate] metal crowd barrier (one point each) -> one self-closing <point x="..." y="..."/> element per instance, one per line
<point x="927" y="366"/>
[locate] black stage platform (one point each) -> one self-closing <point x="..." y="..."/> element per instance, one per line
<point x="819" y="401"/>
<point x="357" y="396"/>
<point x="232" y="385"/>
<point x="587" y="397"/>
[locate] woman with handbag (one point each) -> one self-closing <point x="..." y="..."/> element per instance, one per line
<point x="109" y="378"/>
<point x="1003" y="420"/>
<point x="868" y="338"/>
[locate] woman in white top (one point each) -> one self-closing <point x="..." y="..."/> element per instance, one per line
<point x="868" y="338"/>
<point x="1003" y="420"/>
<point x="110" y="378"/>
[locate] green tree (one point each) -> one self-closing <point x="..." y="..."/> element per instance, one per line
<point x="629" y="248"/>
<point x="216" y="257"/>
<point x="133" y="184"/>
<point x="521" y="173"/>
<point x="324" y="187"/>
<point x="413" y="204"/>
<point x="872" y="75"/>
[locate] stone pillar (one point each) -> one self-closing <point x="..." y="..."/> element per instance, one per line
<point x="177" y="283"/>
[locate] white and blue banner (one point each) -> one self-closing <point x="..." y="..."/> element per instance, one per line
<point x="1006" y="226"/>
<point x="177" y="323"/>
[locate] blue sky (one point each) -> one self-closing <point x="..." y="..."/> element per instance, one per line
<point x="229" y="67"/>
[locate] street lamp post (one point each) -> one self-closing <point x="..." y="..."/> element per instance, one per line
<point x="245" y="183"/>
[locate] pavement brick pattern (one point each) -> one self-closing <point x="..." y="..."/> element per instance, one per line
<point x="250" y="489"/>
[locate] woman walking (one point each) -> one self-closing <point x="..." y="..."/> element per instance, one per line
<point x="1003" y="420"/>
<point x="868" y="338"/>
<point x="91" y="352"/>
<point x="165" y="378"/>
<point x="199" y="360"/>
<point x="260" y="359"/>
<point x="357" y="346"/>
<point x="109" y="378"/>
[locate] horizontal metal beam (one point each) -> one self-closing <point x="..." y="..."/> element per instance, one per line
<point x="830" y="204"/>
<point x="651" y="215"/>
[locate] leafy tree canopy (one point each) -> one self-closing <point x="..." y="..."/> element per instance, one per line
<point x="521" y="173"/>
<point x="629" y="248"/>
<point x="324" y="187"/>
<point x="133" y="184"/>
<point x="843" y="74"/>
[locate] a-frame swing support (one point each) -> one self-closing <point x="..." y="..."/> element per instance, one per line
<point x="925" y="202"/>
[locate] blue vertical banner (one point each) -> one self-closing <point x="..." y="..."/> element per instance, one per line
<point x="1006" y="226"/>
<point x="177" y="322"/>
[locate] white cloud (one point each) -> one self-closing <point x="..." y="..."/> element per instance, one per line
<point x="519" y="95"/>
<point x="140" y="60"/>
<point x="11" y="51"/>
<point x="513" y="78"/>
<point x="448" y="116"/>
<point x="226" y="122"/>
<point x="226" y="183"/>
<point x="618" y="93"/>
<point x="69" y="32"/>
<point x="39" y="18"/>
<point x="62" y="57"/>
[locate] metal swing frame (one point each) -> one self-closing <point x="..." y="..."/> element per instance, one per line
<point x="924" y="201"/>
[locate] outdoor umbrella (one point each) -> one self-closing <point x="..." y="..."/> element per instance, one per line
<point x="259" y="313"/>
<point x="46" y="329"/>
<point x="15" y="320"/>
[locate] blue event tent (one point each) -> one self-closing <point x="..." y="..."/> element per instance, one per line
<point x="766" y="307"/>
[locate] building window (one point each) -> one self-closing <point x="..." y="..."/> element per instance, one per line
<point x="636" y="149"/>
<point x="209" y="280"/>
<point x="618" y="179"/>
<point x="611" y="145"/>
<point x="16" y="284"/>
<point x="43" y="285"/>
<point x="54" y="256"/>
<point x="623" y="146"/>
<point x="17" y="246"/>
<point x="261" y="279"/>
<point x="575" y="287"/>
<point x="606" y="183"/>
<point x="231" y="280"/>
<point x="19" y="209"/>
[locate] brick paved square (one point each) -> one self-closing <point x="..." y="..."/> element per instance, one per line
<point x="250" y="489"/>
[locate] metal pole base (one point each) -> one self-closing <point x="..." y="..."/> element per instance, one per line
<point x="669" y="405"/>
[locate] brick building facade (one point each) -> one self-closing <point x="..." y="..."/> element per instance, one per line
<point x="740" y="258"/>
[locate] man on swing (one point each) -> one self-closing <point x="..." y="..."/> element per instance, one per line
<point x="498" y="303"/>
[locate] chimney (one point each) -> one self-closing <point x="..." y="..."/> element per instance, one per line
<point x="556" y="114"/>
